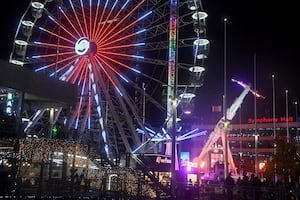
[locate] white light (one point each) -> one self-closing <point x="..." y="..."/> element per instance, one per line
<point x="82" y="46"/>
<point x="201" y="47"/>
<point x="199" y="15"/>
<point x="193" y="7"/>
<point x="37" y="5"/>
<point x="21" y="42"/>
<point x="177" y="120"/>
<point x="201" y="42"/>
<point x="187" y="112"/>
<point x="25" y="120"/>
<point x="187" y="95"/>
<point x="197" y="69"/>
<point x="27" y="23"/>
<point x="17" y="62"/>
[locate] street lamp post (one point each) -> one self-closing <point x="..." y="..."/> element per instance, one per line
<point x="296" y="120"/>
<point x="256" y="152"/>
<point x="287" y="116"/>
<point x="273" y="94"/>
<point x="225" y="105"/>
<point x="296" y="111"/>
<point x="255" y="120"/>
<point x="274" y="124"/>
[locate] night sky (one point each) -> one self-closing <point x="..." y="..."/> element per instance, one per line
<point x="262" y="29"/>
<point x="255" y="29"/>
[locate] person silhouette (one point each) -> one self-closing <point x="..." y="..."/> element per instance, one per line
<point x="229" y="184"/>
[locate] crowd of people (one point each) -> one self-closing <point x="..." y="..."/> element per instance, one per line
<point x="246" y="187"/>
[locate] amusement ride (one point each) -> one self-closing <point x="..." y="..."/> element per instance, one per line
<point x="125" y="57"/>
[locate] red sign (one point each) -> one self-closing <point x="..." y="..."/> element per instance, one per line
<point x="270" y="120"/>
<point x="159" y="159"/>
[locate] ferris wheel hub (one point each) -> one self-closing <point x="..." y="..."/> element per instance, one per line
<point x="82" y="46"/>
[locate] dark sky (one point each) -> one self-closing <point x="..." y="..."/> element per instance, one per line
<point x="11" y="12"/>
<point x="262" y="29"/>
<point x="255" y="29"/>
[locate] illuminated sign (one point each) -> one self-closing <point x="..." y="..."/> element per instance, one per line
<point x="155" y="162"/>
<point x="270" y="120"/>
<point x="159" y="159"/>
<point x="9" y="104"/>
<point x="261" y="165"/>
<point x="185" y="158"/>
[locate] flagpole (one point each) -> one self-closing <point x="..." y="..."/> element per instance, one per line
<point x="274" y="124"/>
<point x="287" y="127"/>
<point x="255" y="117"/>
<point x="296" y="119"/>
<point x="225" y="105"/>
<point x="287" y="116"/>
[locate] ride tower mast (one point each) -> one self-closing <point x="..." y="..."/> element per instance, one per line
<point x="172" y="86"/>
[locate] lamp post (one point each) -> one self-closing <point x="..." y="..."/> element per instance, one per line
<point x="274" y="124"/>
<point x="255" y="120"/>
<point x="287" y="116"/>
<point x="144" y="110"/>
<point x="225" y="105"/>
<point x="296" y="120"/>
<point x="256" y="152"/>
<point x="296" y="111"/>
<point x="273" y="101"/>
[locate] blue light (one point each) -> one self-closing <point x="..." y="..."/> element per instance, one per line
<point x="41" y="68"/>
<point x="50" y="17"/>
<point x="61" y="10"/>
<point x="76" y="123"/>
<point x="81" y="3"/>
<point x="139" y="57"/>
<point x="52" y="74"/>
<point x="141" y="31"/>
<point x="71" y="4"/>
<point x="140" y="44"/>
<point x="122" y="77"/>
<point x="136" y="70"/>
<point x="142" y="17"/>
<point x="41" y="28"/>
<point x="114" y="5"/>
<point x="105" y="4"/>
<point x="125" y="5"/>
<point x="119" y="91"/>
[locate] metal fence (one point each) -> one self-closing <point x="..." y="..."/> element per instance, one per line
<point x="123" y="189"/>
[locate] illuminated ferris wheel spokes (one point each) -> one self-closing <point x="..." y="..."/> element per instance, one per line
<point x="106" y="48"/>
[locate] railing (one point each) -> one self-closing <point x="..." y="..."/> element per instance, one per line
<point x="140" y="190"/>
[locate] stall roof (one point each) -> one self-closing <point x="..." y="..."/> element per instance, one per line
<point x="37" y="87"/>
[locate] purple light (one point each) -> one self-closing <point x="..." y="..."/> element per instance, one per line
<point x="188" y="168"/>
<point x="187" y="112"/>
<point x="255" y="93"/>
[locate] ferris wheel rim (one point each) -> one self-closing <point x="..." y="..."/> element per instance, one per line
<point x="81" y="47"/>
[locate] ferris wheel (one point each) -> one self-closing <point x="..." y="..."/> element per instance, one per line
<point x="116" y="52"/>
